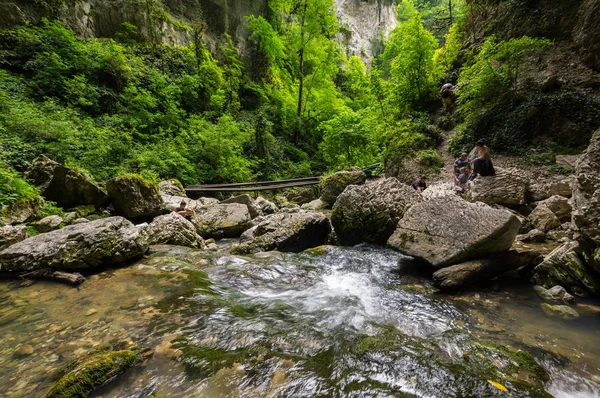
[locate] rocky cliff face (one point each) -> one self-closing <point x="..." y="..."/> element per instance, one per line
<point x="364" y="25"/>
<point x="364" y="22"/>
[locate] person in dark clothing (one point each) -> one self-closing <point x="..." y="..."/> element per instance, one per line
<point x="420" y="185"/>
<point x="482" y="161"/>
<point x="183" y="211"/>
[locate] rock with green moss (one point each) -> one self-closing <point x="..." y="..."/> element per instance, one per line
<point x="135" y="198"/>
<point x="369" y="213"/>
<point x="222" y="220"/>
<point x="171" y="188"/>
<point x="23" y="210"/>
<point x="10" y="235"/>
<point x="65" y="186"/>
<point x="449" y="230"/>
<point x="568" y="266"/>
<point x="334" y="185"/>
<point x="562" y="311"/>
<point x="173" y="229"/>
<point x="108" y="241"/>
<point x="49" y="223"/>
<point x="87" y="373"/>
<point x="481" y="271"/>
<point x="287" y="232"/>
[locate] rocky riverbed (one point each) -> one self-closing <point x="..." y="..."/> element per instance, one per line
<point x="326" y="322"/>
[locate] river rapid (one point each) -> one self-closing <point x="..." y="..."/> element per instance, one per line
<point x="329" y="322"/>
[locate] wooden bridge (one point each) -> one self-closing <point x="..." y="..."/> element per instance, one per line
<point x="253" y="186"/>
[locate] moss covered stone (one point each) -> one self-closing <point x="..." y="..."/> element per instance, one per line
<point x="85" y="375"/>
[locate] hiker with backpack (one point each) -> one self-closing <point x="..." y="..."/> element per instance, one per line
<point x="447" y="93"/>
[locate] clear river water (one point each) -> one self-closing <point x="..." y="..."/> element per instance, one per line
<point x="329" y="322"/>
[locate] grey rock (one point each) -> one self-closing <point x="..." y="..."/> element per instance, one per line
<point x="567" y="162"/>
<point x="439" y="189"/>
<point x="49" y="223"/>
<point x="107" y="241"/>
<point x="246" y="200"/>
<point x="533" y="236"/>
<point x="23" y="210"/>
<point x="507" y="188"/>
<point x="545" y="189"/>
<point x="80" y="221"/>
<point x="334" y="185"/>
<point x="369" y="213"/>
<point x="173" y="229"/>
<point x="266" y="206"/>
<point x="562" y="311"/>
<point x="10" y="235"/>
<point x="171" y="188"/>
<point x="316" y="204"/>
<point x="301" y="195"/>
<point x="222" y="220"/>
<point x="172" y="202"/>
<point x="287" y="232"/>
<point x="567" y="266"/>
<point x="559" y="205"/>
<point x="67" y="187"/>
<point x="544" y="219"/>
<point x="556" y="293"/>
<point x="135" y="198"/>
<point x="586" y="192"/>
<point x="449" y="230"/>
<point x="481" y="271"/>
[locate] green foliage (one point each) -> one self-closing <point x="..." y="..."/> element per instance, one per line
<point x="409" y="138"/>
<point x="445" y="57"/>
<point x="13" y="187"/>
<point x="495" y="71"/>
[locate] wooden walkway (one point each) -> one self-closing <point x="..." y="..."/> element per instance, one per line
<point x="253" y="186"/>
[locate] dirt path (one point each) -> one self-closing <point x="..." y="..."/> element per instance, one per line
<point x="447" y="171"/>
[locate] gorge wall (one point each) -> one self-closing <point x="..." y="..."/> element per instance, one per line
<point x="364" y="23"/>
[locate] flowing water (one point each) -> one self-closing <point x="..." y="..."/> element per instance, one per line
<point x="331" y="322"/>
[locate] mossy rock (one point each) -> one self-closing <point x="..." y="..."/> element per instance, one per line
<point x="84" y="375"/>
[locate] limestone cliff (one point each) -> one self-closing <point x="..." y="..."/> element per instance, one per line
<point x="364" y="22"/>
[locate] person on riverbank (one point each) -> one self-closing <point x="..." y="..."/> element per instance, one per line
<point x="481" y="160"/>
<point x="462" y="161"/>
<point x="420" y="185"/>
<point x="183" y="211"/>
<point x="447" y="93"/>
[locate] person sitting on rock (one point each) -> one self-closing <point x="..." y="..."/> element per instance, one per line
<point x="462" y="161"/>
<point x="183" y="211"/>
<point x="461" y="180"/>
<point x="482" y="161"/>
<point x="420" y="185"/>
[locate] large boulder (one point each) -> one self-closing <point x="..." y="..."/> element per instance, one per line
<point x="559" y="205"/>
<point x="173" y="229"/>
<point x="103" y="242"/>
<point x="10" y="235"/>
<point x="586" y="192"/>
<point x="369" y="213"/>
<point x="286" y="232"/>
<point x="506" y="188"/>
<point x="544" y="219"/>
<point x="449" y="230"/>
<point x="481" y="271"/>
<point x="548" y="188"/>
<point x="222" y="220"/>
<point x="135" y="198"/>
<point x="23" y="210"/>
<point x="246" y="200"/>
<point x="172" y="202"/>
<point x="334" y="185"/>
<point x="439" y="189"/>
<point x="65" y="186"/>
<point x="171" y="188"/>
<point x="567" y="266"/>
<point x="300" y="195"/>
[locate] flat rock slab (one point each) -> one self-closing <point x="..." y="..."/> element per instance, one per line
<point x="449" y="230"/>
<point x="222" y="220"/>
<point x="507" y="188"/>
<point x="86" y="246"/>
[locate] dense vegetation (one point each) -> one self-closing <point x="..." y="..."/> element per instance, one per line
<point x="112" y="106"/>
